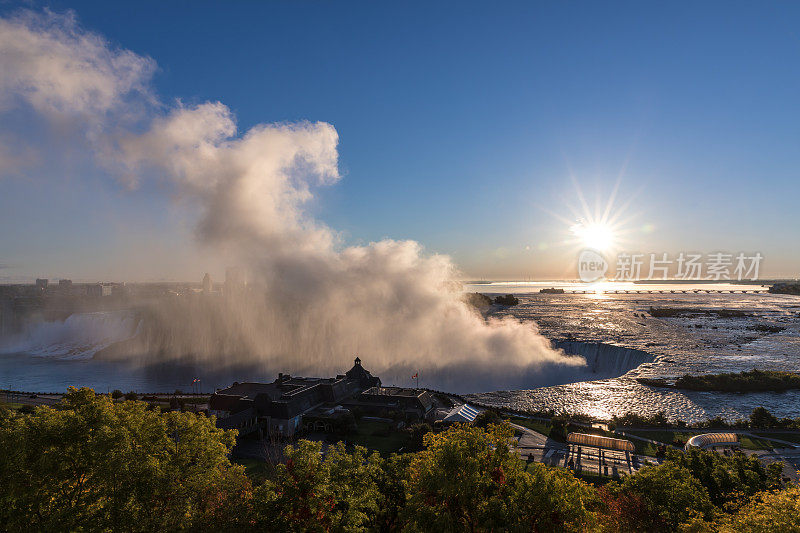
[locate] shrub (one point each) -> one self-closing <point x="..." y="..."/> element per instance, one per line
<point x="486" y="418"/>
<point x="477" y="299"/>
<point x="418" y="432"/>
<point x="508" y="299"/>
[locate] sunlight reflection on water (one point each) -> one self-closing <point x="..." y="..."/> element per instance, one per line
<point x="700" y="342"/>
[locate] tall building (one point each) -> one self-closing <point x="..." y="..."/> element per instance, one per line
<point x="94" y="290"/>
<point x="41" y="284"/>
<point x="207" y="284"/>
<point x="65" y="287"/>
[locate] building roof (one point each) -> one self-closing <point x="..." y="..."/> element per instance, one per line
<point x="397" y="395"/>
<point x="405" y="392"/>
<point x="248" y="389"/>
<point x="713" y="439"/>
<point x="288" y="396"/>
<point x="462" y="413"/>
<point x="362" y="376"/>
<point x="599" y="441"/>
<point x="223" y="402"/>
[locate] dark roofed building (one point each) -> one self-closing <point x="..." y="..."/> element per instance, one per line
<point x="362" y="376"/>
<point x="418" y="402"/>
<point x="279" y="406"/>
<point x="224" y="404"/>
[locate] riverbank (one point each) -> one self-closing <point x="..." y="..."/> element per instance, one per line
<point x="746" y="381"/>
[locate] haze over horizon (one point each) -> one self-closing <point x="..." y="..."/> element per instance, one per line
<point x="467" y="130"/>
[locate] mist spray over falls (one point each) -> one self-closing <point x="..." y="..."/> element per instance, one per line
<point x="312" y="303"/>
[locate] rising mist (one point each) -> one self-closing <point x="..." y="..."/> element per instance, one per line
<point x="311" y="302"/>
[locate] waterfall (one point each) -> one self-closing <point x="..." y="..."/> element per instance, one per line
<point x="605" y="360"/>
<point x="79" y="336"/>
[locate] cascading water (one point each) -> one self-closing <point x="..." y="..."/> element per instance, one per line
<point x="605" y="360"/>
<point x="79" y="336"/>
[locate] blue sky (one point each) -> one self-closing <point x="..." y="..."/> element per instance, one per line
<point x="462" y="125"/>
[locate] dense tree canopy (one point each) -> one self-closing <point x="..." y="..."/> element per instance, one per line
<point x="95" y="464"/>
<point x="768" y="512"/>
<point x="729" y="480"/>
<point x="657" y="498"/>
<point x="469" y="479"/>
<point x="99" y="465"/>
<point x="337" y="492"/>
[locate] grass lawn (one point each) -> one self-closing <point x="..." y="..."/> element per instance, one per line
<point x="666" y="436"/>
<point x="11" y="405"/>
<point x="677" y="437"/>
<point x="751" y="443"/>
<point x="196" y="399"/>
<point x="643" y="448"/>
<point x="372" y="435"/>
<point x="789" y="437"/>
<point x="536" y="425"/>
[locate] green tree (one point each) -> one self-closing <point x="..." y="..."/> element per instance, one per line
<point x="761" y="418"/>
<point x="94" y="465"/>
<point x="487" y="418"/>
<point x="337" y="492"/>
<point x="418" y="432"/>
<point x="558" y="428"/>
<point x="768" y="512"/>
<point x="508" y="299"/>
<point x="656" y="498"/>
<point x="729" y="480"/>
<point x="391" y="483"/>
<point x="471" y="479"/>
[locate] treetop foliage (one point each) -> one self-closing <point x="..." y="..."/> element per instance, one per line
<point x="94" y="464"/>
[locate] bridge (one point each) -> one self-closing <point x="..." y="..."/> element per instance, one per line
<point x="649" y="291"/>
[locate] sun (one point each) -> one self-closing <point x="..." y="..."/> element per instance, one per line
<point x="604" y="225"/>
<point x="597" y="236"/>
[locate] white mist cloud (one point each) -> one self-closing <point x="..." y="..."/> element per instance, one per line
<point x="314" y="303"/>
<point x="53" y="65"/>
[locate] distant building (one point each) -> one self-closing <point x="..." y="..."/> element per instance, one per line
<point x="278" y="407"/>
<point x="207" y="285"/>
<point x="119" y="290"/>
<point x="94" y="290"/>
<point x="65" y="287"/>
<point x="41" y="285"/>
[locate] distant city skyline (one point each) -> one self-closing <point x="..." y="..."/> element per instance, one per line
<point x="497" y="135"/>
